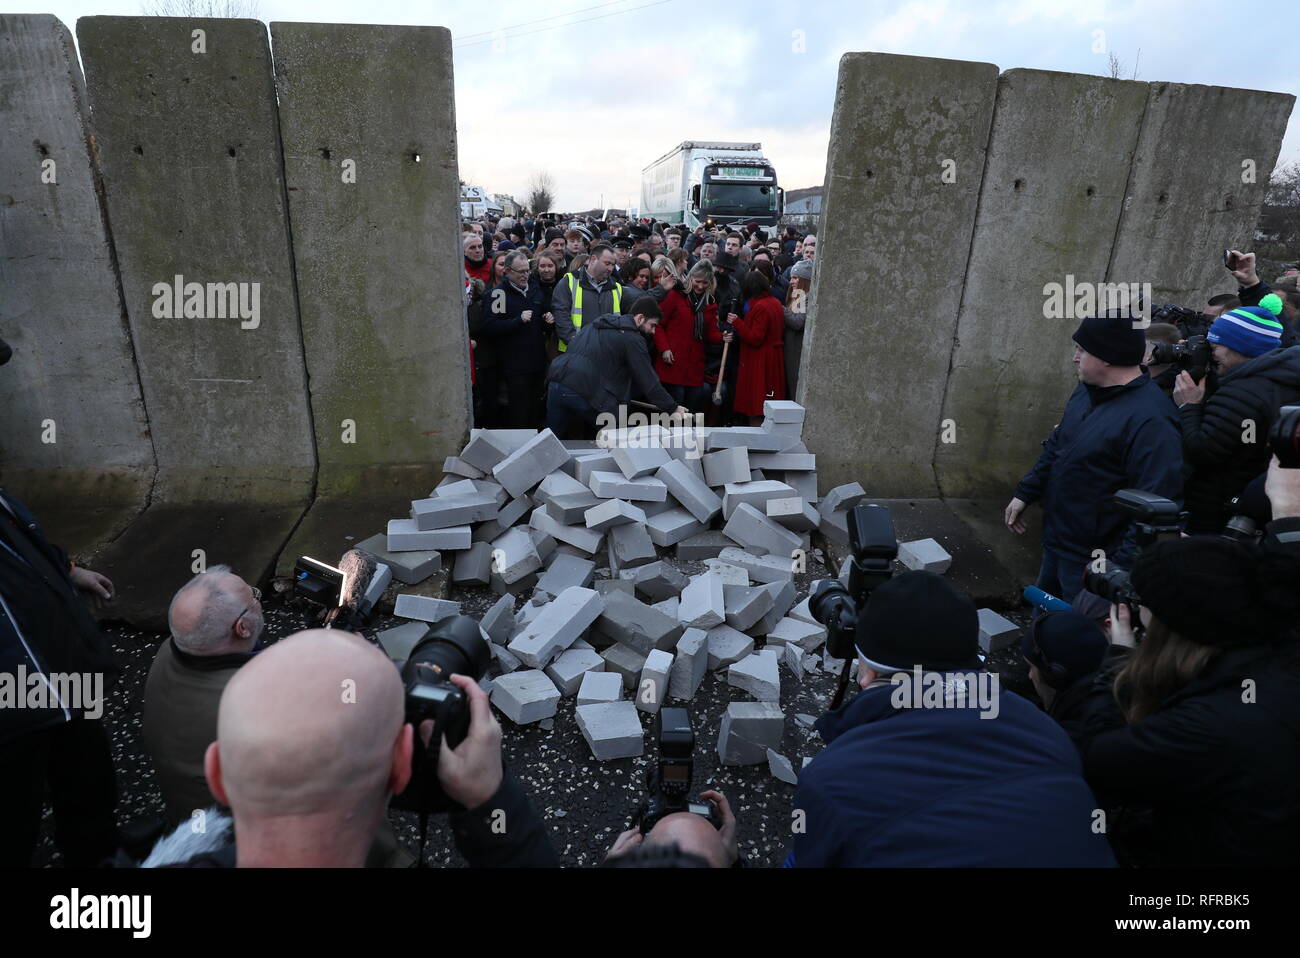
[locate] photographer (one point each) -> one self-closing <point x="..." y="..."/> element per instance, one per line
<point x="1224" y="432"/>
<point x="979" y="779"/>
<point x="1194" y="731"/>
<point x="1118" y="431"/>
<point x="1253" y="292"/>
<point x="311" y="744"/>
<point x="682" y="839"/>
<point x="1064" y="650"/>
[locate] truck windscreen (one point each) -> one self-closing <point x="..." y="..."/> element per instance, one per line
<point x="739" y="197"/>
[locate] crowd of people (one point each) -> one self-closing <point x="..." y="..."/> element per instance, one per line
<point x="716" y="316"/>
<point x="1167" y="730"/>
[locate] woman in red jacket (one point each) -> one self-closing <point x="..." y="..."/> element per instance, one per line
<point x="690" y="319"/>
<point x="762" y="348"/>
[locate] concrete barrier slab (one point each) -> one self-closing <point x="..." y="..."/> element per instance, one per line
<point x="367" y="119"/>
<point x="1054" y="186"/>
<point x="75" y="444"/>
<point x="902" y="182"/>
<point x="189" y="147"/>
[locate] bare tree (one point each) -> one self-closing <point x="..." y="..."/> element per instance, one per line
<point x="222" y="9"/>
<point x="1279" y="218"/>
<point x="1115" y="66"/>
<point x="541" y="192"/>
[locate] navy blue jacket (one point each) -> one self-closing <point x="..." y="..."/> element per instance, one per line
<point x="520" y="346"/>
<point x="1112" y="438"/>
<point x="899" y="787"/>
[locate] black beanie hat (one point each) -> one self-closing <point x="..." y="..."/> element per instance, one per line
<point x="1112" y="338"/>
<point x="919" y="619"/>
<point x="1218" y="592"/>
<point x="552" y="234"/>
<point x="1065" y="638"/>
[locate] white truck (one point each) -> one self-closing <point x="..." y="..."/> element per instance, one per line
<point x="714" y="184"/>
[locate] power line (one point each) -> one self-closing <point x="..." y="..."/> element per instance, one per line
<point x="526" y="33"/>
<point x="528" y="23"/>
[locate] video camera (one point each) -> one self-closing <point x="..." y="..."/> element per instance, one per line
<point x="348" y="592"/>
<point x="1157" y="518"/>
<point x="1194" y="356"/>
<point x="668" y="782"/>
<point x="874" y="547"/>
<point x="1189" y="322"/>
<point x="454" y="646"/>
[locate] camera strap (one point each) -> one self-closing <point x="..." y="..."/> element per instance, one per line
<point x="842" y="686"/>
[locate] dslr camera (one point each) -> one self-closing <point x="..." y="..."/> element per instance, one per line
<point x="1284" y="437"/>
<point x="1157" y="518"/>
<point x="1189" y="322"/>
<point x="668" y="781"/>
<point x="874" y="547"/>
<point x="452" y="646"/>
<point x="1194" y="356"/>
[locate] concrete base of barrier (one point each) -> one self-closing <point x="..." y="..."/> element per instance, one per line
<point x="80" y="512"/>
<point x="155" y="556"/>
<point x="989" y="563"/>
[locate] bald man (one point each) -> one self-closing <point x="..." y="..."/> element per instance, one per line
<point x="215" y="621"/>
<point x="691" y="835"/>
<point x="312" y="743"/>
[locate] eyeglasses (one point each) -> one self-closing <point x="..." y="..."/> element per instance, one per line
<point x="257" y="596"/>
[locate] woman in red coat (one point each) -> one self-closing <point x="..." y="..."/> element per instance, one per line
<point x="690" y="320"/>
<point x="762" y="348"/>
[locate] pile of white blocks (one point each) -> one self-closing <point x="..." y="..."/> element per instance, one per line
<point x="582" y="545"/>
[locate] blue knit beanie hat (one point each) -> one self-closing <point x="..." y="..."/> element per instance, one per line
<point x="1250" y="330"/>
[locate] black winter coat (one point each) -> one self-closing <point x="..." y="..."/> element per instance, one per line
<point x="1219" y="462"/>
<point x="606" y="361"/>
<point x="520" y="346"/>
<point x="45" y="624"/>
<point x="1211" y="777"/>
<point x="1119" y="437"/>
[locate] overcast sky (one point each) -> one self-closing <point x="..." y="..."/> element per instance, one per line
<point x="561" y="86"/>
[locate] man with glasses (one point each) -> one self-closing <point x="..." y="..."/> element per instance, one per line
<point x="514" y="321"/>
<point x="215" y="621"/>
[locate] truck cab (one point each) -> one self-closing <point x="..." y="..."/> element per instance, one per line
<point x="734" y="192"/>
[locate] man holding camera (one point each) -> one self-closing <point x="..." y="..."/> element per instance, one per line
<point x="1225" y="432"/>
<point x="977" y="778"/>
<point x="311" y="744"/>
<point x="1118" y="431"/>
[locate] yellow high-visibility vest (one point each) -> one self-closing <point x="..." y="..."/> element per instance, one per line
<point x="575" y="314"/>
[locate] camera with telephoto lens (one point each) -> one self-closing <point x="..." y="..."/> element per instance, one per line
<point x="668" y="781"/>
<point x="1194" y="356"/>
<point x="874" y="547"/>
<point x="1158" y="519"/>
<point x="1284" y="437"/>
<point x="453" y="646"/>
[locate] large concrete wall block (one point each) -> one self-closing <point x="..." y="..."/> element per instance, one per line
<point x="185" y="121"/>
<point x="367" y="120"/>
<point x="76" y="441"/>
<point x="1198" y="180"/>
<point x="1054" y="186"/>
<point x="903" y="176"/>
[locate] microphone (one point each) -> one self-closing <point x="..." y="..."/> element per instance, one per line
<point x="364" y="581"/>
<point x="1045" y="601"/>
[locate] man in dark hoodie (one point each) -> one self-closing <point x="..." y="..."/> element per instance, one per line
<point x="1064" y="650"/>
<point x="607" y="359"/>
<point x="932" y="763"/>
